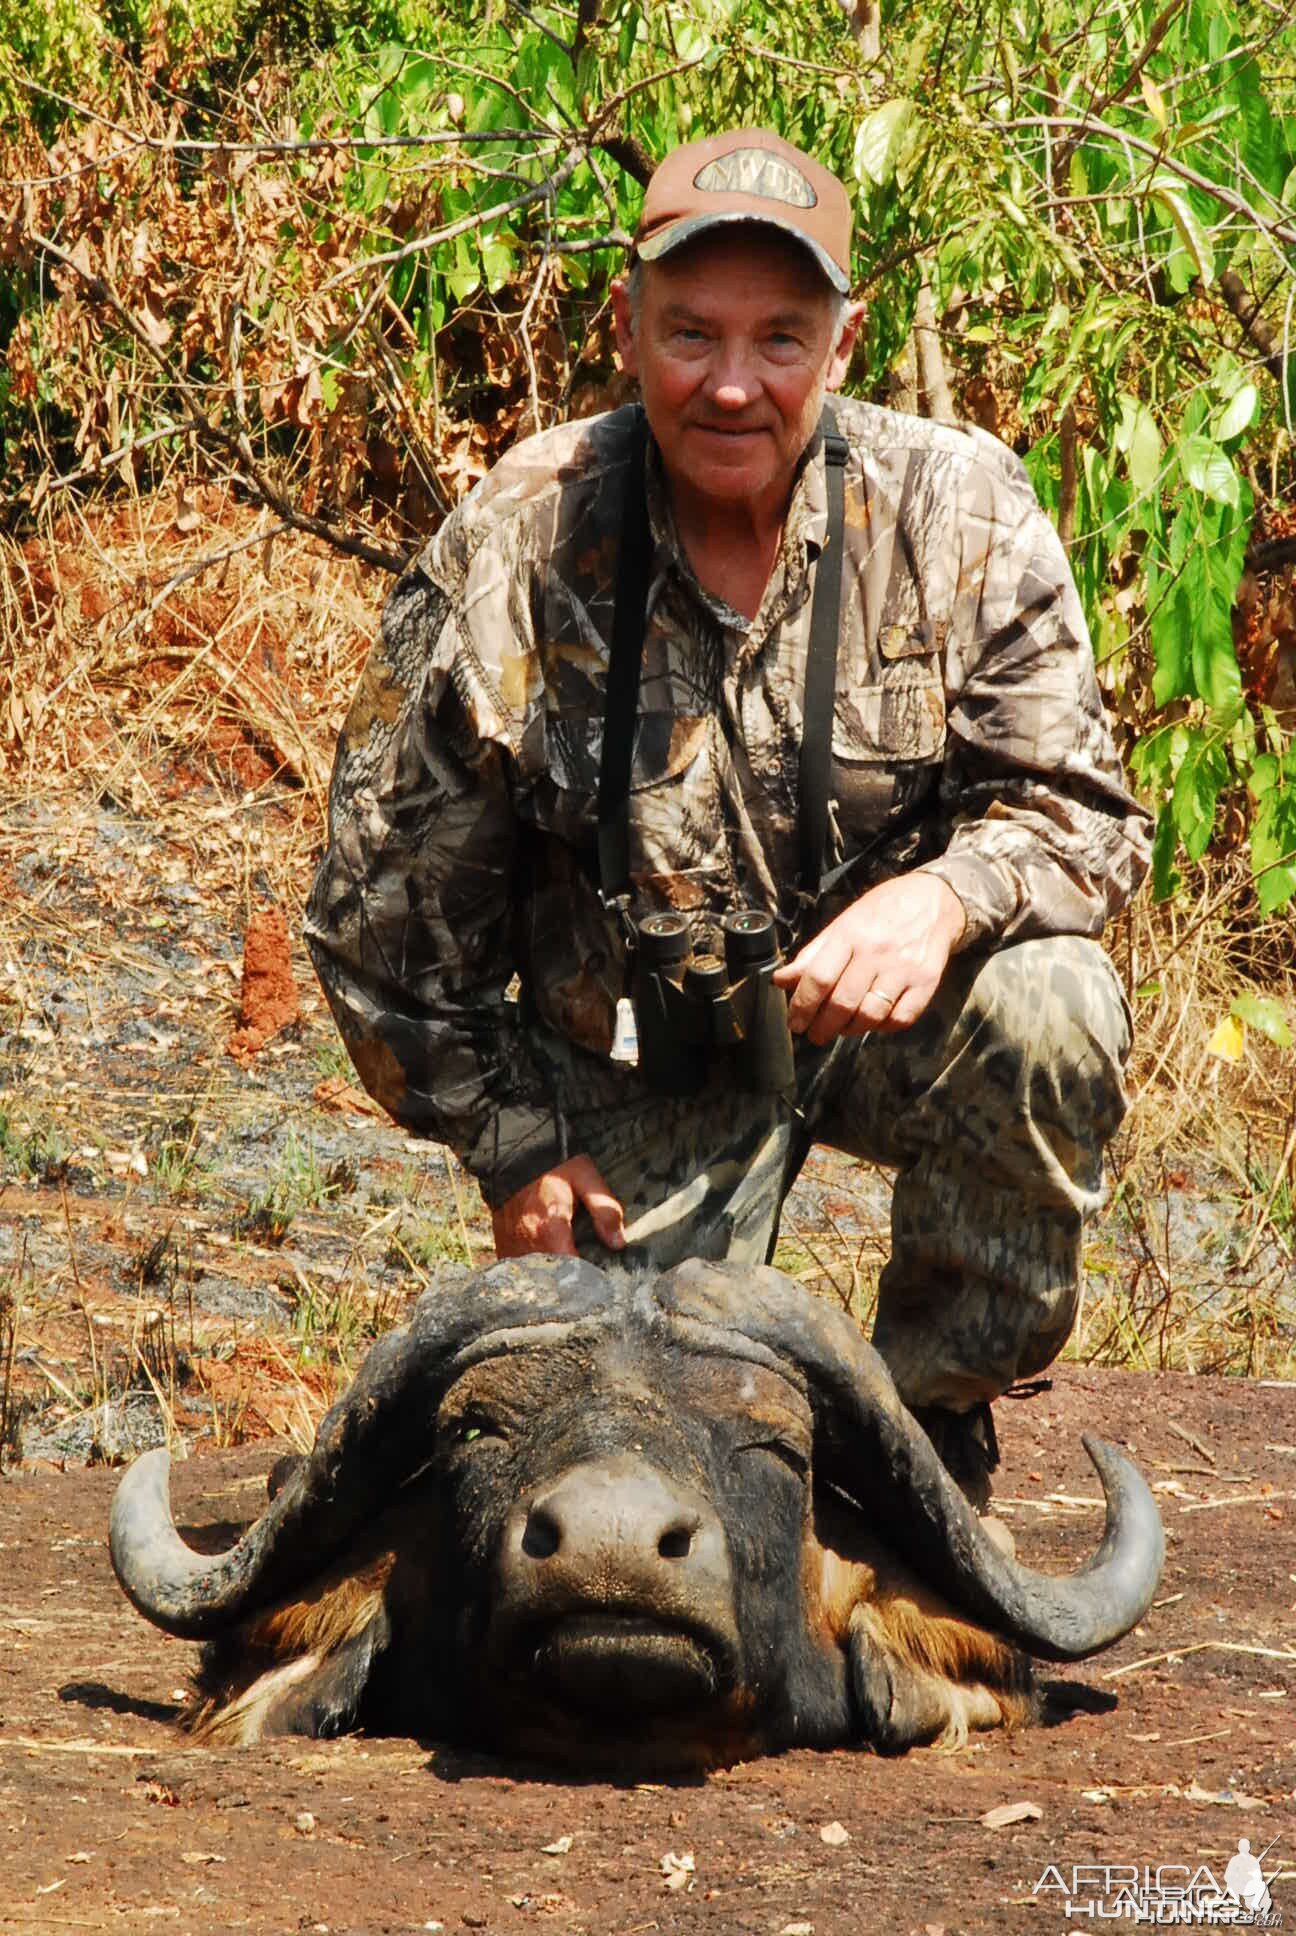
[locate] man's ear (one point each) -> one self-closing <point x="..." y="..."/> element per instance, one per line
<point x="841" y="355"/>
<point x="627" y="349"/>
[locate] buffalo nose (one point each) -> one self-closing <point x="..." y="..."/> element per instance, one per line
<point x="611" y="1528"/>
<point x="578" y="1516"/>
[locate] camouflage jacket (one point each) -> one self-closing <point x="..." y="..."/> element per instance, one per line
<point x="462" y="813"/>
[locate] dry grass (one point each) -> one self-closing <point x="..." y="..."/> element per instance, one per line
<point x="1200" y="1122"/>
<point x="165" y="646"/>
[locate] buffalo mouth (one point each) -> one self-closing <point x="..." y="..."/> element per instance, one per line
<point x="651" y="1666"/>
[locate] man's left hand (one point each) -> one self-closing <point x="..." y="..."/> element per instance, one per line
<point x="878" y="964"/>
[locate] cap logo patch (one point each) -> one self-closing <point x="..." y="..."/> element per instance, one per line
<point x="755" y="171"/>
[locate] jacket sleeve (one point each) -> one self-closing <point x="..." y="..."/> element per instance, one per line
<point x="408" y="922"/>
<point x="1045" y="837"/>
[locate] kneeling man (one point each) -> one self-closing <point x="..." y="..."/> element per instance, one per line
<point x="937" y="836"/>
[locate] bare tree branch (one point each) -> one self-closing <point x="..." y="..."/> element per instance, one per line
<point x="902" y="381"/>
<point x="1122" y="91"/>
<point x="864" y="18"/>
<point x="629" y="153"/>
<point x="1272" y="555"/>
<point x="1257" y="329"/>
<point x="1282" y="231"/>
<point x="587" y="13"/>
<point x="236" y="447"/>
<point x="1068" y="487"/>
<point x="931" y="363"/>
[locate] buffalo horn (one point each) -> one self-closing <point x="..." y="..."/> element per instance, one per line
<point x="877" y="1453"/>
<point x="377" y="1435"/>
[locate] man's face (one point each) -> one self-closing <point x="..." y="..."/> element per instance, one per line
<point x="734" y="346"/>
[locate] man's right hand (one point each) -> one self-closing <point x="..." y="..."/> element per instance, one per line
<point x="539" y="1216"/>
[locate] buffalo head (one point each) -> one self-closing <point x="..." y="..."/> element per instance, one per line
<point x="671" y="1519"/>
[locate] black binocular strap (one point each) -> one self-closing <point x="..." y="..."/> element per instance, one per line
<point x="820" y="696"/>
<point x="634" y="569"/>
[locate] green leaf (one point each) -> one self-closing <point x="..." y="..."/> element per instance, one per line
<point x="1273" y="848"/>
<point x="1138" y="437"/>
<point x="1198" y="784"/>
<point x="1264" y="1013"/>
<point x="1174" y="199"/>
<point x="1264" y="776"/>
<point x="1209" y="470"/>
<point x="1238" y="412"/>
<point x="1166" y="878"/>
<point x="498" y="263"/>
<point x="879" y="141"/>
<point x="1191" y="620"/>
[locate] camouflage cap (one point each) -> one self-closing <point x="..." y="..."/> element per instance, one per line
<point x="747" y="175"/>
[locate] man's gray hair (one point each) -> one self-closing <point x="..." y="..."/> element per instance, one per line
<point x="635" y="287"/>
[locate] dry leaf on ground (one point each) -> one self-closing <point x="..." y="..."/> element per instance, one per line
<point x="335" y="1092"/>
<point x="1009" y="1812"/>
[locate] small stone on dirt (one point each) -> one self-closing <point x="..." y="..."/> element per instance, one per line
<point x="304" y="1823"/>
<point x="678" y="1870"/>
<point x="834" y="1835"/>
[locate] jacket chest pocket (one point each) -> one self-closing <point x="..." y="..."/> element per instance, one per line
<point x="898" y="716"/>
<point x="666" y="747"/>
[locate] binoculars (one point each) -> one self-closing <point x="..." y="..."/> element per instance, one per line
<point x="689" y="1007"/>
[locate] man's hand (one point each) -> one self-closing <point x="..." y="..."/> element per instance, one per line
<point x="878" y="964"/>
<point x="539" y="1215"/>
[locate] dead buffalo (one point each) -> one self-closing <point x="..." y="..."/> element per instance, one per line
<point x="625" y="1521"/>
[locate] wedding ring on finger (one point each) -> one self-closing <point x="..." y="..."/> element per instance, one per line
<point x="880" y="995"/>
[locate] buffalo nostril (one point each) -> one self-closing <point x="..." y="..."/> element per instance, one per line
<point x="676" y="1541"/>
<point x="541" y="1536"/>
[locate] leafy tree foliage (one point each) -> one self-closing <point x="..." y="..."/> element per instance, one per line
<point x="349" y="279"/>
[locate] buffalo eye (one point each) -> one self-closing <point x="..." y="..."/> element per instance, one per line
<point x="473" y="1428"/>
<point x="788" y="1454"/>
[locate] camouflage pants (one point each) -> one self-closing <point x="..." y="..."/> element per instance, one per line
<point x="994" y="1109"/>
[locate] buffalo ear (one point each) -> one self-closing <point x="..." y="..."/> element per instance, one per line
<point x="318" y="1694"/>
<point x="328" y="1702"/>
<point x="921" y="1675"/>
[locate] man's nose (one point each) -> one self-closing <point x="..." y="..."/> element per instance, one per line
<point x="733" y="383"/>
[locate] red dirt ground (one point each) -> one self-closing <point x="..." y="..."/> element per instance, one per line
<point x="269" y="1000"/>
<point x="111" y="1821"/>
